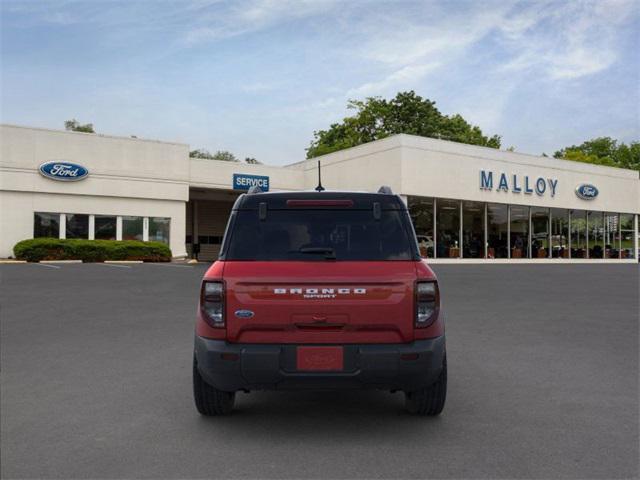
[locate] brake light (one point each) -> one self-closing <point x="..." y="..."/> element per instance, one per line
<point x="427" y="303"/>
<point x="212" y="303"/>
<point x="320" y="203"/>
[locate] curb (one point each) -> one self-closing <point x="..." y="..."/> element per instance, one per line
<point x="60" y="261"/>
<point x="123" y="261"/>
<point x="9" y="262"/>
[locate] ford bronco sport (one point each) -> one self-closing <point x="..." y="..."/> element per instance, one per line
<point x="319" y="290"/>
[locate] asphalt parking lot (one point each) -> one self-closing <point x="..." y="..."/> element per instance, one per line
<point x="96" y="383"/>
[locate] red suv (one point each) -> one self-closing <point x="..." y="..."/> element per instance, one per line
<point x="319" y="290"/>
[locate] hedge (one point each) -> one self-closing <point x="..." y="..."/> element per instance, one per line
<point x="36" y="249"/>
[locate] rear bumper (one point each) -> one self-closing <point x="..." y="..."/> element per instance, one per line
<point x="232" y="366"/>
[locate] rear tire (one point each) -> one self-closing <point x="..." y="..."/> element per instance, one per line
<point x="209" y="400"/>
<point x="429" y="400"/>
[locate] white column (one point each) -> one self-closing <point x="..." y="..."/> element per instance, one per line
<point x="92" y="227"/>
<point x="118" y="228"/>
<point x="63" y="225"/>
<point x="435" y="228"/>
<point x="635" y="237"/>
<point x="145" y="229"/>
<point x="460" y="232"/>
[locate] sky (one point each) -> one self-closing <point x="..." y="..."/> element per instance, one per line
<point x="258" y="77"/>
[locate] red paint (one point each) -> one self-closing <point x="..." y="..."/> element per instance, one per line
<point x="350" y="302"/>
<point x="319" y="359"/>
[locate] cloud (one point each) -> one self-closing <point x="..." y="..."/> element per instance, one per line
<point x="251" y="16"/>
<point x="399" y="79"/>
<point x="565" y="41"/>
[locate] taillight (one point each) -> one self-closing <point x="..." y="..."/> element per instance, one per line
<point x="427" y="303"/>
<point x="212" y="303"/>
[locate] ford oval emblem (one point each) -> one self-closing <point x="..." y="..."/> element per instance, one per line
<point x="586" y="191"/>
<point x="63" y="171"/>
<point x="244" y="313"/>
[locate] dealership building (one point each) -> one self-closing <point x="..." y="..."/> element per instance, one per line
<point x="468" y="203"/>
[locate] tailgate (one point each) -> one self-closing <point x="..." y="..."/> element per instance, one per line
<point x="320" y="302"/>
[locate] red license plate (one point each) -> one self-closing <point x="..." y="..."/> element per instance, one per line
<point x="320" y="359"/>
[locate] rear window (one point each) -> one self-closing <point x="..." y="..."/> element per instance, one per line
<point x="302" y="234"/>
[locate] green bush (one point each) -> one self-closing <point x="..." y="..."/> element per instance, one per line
<point x="36" y="249"/>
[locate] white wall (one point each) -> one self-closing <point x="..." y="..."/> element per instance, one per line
<point x="126" y="177"/>
<point x="17" y="209"/>
<point x="449" y="170"/>
<point x="427" y="167"/>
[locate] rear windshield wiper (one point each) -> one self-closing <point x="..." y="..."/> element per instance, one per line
<point x="329" y="253"/>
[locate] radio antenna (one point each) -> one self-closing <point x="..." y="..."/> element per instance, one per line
<point x="319" y="188"/>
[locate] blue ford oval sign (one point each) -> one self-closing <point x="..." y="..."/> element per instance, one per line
<point x="586" y="191"/>
<point x="244" y="313"/>
<point x="63" y="171"/>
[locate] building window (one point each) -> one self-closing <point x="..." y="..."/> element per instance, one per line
<point x="540" y="247"/>
<point x="611" y="235"/>
<point x="559" y="233"/>
<point x="448" y="228"/>
<point x="159" y="229"/>
<point x="473" y="230"/>
<point x="578" y="234"/>
<point x="46" y="225"/>
<point x="132" y="228"/>
<point x="77" y="226"/>
<point x="596" y="235"/>
<point x="626" y="236"/>
<point x="421" y="210"/>
<point x="519" y="232"/>
<point x="497" y="230"/>
<point x="105" y="227"/>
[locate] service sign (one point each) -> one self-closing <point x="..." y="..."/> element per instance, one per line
<point x="63" y="171"/>
<point x="586" y="191"/>
<point x="245" y="182"/>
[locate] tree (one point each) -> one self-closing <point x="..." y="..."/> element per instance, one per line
<point x="252" y="161"/>
<point x="219" y="155"/>
<point x="75" y="126"/>
<point x="377" y="118"/>
<point x="604" y="151"/>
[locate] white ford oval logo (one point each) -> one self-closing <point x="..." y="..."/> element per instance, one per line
<point x="586" y="191"/>
<point x="244" y="313"/>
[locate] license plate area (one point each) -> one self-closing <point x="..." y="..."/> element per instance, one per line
<point x="320" y="359"/>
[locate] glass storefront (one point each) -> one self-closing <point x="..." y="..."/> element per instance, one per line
<point x="421" y="210"/>
<point x="595" y="236"/>
<point x="132" y="228"/>
<point x="497" y="230"/>
<point x="578" y="234"/>
<point x="159" y="229"/>
<point x="105" y="227"/>
<point x="77" y="226"/>
<point x="473" y="241"/>
<point x="46" y="225"/>
<point x="101" y="227"/>
<point x="559" y="233"/>
<point x="540" y="247"/>
<point x="448" y="228"/>
<point x="611" y="235"/>
<point x="626" y="236"/>
<point x="466" y="229"/>
<point x="519" y="229"/>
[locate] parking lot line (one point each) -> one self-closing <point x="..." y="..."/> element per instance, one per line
<point x="170" y="265"/>
<point x="113" y="265"/>
<point x="46" y="265"/>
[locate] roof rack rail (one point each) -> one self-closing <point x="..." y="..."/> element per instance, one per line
<point x="254" y="189"/>
<point x="385" y="190"/>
